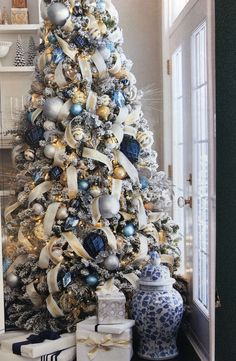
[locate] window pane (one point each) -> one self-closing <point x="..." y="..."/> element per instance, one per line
<point x="175" y="8"/>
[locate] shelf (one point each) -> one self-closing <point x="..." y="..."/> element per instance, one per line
<point x="7" y="193"/>
<point x="16" y="69"/>
<point x="15" y="28"/>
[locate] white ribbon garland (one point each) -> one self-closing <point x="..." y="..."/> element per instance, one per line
<point x="49" y="218"/>
<point x="85" y="69"/>
<point x="9" y="210"/>
<point x="33" y="295"/>
<point x="134" y="116"/>
<point x="76" y="245"/>
<point x="96" y="215"/>
<point x="116" y="187"/>
<point x="23" y="240"/>
<point x="64" y="111"/>
<point x="128" y="166"/>
<point x="98" y="156"/>
<point x="132" y="278"/>
<point x="117" y="66"/>
<point x="111" y="239"/>
<point x="36" y="113"/>
<point x="130" y="131"/>
<point x="53" y="307"/>
<point x="141" y="212"/>
<point x="91" y="101"/>
<point x="52" y="279"/>
<point x="122" y="116"/>
<point x="66" y="48"/>
<point x="70" y="140"/>
<point x="44" y="258"/>
<point x="59" y="76"/>
<point x="118" y="132"/>
<point x="38" y="191"/>
<point x="100" y="64"/>
<point x="59" y="156"/>
<point x="72" y="181"/>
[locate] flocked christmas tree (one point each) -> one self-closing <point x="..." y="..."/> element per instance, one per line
<point x="90" y="201"/>
<point x="19" y="57"/>
<point x="31" y="52"/>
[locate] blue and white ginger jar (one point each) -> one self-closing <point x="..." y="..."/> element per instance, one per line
<point x="157" y="309"/>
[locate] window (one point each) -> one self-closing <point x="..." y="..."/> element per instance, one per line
<point x="175" y="8"/>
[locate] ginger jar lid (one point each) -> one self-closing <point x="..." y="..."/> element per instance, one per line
<point x="155" y="274"/>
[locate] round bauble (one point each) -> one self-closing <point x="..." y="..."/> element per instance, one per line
<point x="49" y="151"/>
<point x="12" y="280"/>
<point x="95" y="191"/>
<point x="120" y="173"/>
<point x="105" y="100"/>
<point x="37" y="209"/>
<point x="92" y="280"/>
<point x="62" y="213"/>
<point x="49" y="125"/>
<point x="78" y="134"/>
<point x="145" y="139"/>
<point x="79" y="97"/>
<point x="29" y="155"/>
<point x="83" y="185"/>
<point x="103" y="112"/>
<point x="131" y="148"/>
<point x="112" y="263"/>
<point x="52" y="107"/>
<point x="76" y="109"/>
<point x="128" y="230"/>
<point x="93" y="244"/>
<point x="58" y="14"/>
<point x="112" y="142"/>
<point x="109" y="206"/>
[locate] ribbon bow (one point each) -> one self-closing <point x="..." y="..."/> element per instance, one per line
<point x="32" y="339"/>
<point x="106" y="343"/>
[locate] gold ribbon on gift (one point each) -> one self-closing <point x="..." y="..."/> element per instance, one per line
<point x="122" y="116"/>
<point x="66" y="48"/>
<point x="53" y="307"/>
<point x="105" y="343"/>
<point x="59" y="76"/>
<point x="52" y="279"/>
<point x="64" y="111"/>
<point x="117" y="66"/>
<point x="132" y="278"/>
<point x="39" y="190"/>
<point x="72" y="182"/>
<point x="49" y="218"/>
<point x="98" y="156"/>
<point x="9" y="210"/>
<point x="100" y="64"/>
<point x="85" y="69"/>
<point x="76" y="245"/>
<point x="127" y="165"/>
<point x="36" y="113"/>
<point x="69" y="138"/>
<point x="92" y="101"/>
<point x="33" y="295"/>
<point x="23" y="240"/>
<point x="141" y="212"/>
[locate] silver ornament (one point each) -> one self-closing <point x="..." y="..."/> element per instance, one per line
<point x="95" y="191"/>
<point x="12" y="280"/>
<point x="49" y="151"/>
<point x="52" y="107"/>
<point x="49" y="125"/>
<point x="58" y="14"/>
<point x="62" y="213"/>
<point x="29" y="154"/>
<point x="109" y="206"/>
<point x="38" y="209"/>
<point x="112" y="263"/>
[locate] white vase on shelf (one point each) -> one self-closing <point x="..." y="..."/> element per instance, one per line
<point x="4" y="49"/>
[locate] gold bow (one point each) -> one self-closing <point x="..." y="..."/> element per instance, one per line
<point x="106" y="343"/>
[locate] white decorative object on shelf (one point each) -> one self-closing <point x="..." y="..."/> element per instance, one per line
<point x="19" y="58"/>
<point x="4" y="49"/>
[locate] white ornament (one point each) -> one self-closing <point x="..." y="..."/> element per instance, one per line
<point x="145" y="139"/>
<point x="29" y="155"/>
<point x="49" y="125"/>
<point x="38" y="209"/>
<point x="49" y="151"/>
<point x="58" y="14"/>
<point x="112" y="263"/>
<point x="52" y="107"/>
<point x="62" y="213"/>
<point x="109" y="206"/>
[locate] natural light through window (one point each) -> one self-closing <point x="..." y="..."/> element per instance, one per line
<point x="175" y="8"/>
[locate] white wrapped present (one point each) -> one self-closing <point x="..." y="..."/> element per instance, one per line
<point x="64" y="355"/>
<point x="38" y="345"/>
<point x="113" y="344"/>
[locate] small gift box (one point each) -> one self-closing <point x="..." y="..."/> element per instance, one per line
<point x="35" y="346"/>
<point x="19" y="16"/>
<point x="111" y="304"/>
<point x="115" y="345"/>
<point x="64" y="355"/>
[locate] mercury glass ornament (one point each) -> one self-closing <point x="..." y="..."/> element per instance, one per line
<point x="79" y="97"/>
<point x="52" y="107"/>
<point x="29" y="155"/>
<point x="103" y="112"/>
<point x="145" y="139"/>
<point x="37" y="209"/>
<point x="112" y="263"/>
<point x="109" y="206"/>
<point x="78" y="134"/>
<point x="58" y="14"/>
<point x="49" y="151"/>
<point x="12" y="280"/>
<point x="62" y="213"/>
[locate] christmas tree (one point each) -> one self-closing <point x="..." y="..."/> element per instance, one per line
<point x="91" y="202"/>
<point x="31" y="52"/>
<point x="19" y="58"/>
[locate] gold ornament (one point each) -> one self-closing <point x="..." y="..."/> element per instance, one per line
<point x="112" y="142"/>
<point x="50" y="79"/>
<point x="79" y="97"/>
<point x="162" y="237"/>
<point x="71" y="74"/>
<point x="145" y="139"/>
<point x="149" y="206"/>
<point x="68" y="302"/>
<point x="36" y="100"/>
<point x="120" y="173"/>
<point x="39" y="231"/>
<point x="103" y="112"/>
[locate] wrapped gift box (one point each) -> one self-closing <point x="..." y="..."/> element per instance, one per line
<point x="19" y="16"/>
<point x="111" y="308"/>
<point x="36" y="350"/>
<point x="65" y="355"/>
<point x="114" y="344"/>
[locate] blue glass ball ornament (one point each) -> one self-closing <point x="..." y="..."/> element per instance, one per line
<point x="143" y="182"/>
<point x="93" y="244"/>
<point x="55" y="173"/>
<point x="80" y="41"/>
<point x="58" y="55"/>
<point x="131" y="148"/>
<point x="128" y="230"/>
<point x="119" y="99"/>
<point x="34" y="135"/>
<point x="52" y="39"/>
<point x="71" y="223"/>
<point x="92" y="280"/>
<point x="83" y="185"/>
<point x="76" y="109"/>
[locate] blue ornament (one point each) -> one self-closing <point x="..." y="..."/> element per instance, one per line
<point x="83" y="185"/>
<point x="37" y="176"/>
<point x="143" y="181"/>
<point x="93" y="244"/>
<point x="101" y="6"/>
<point x="119" y="99"/>
<point x="80" y="41"/>
<point x="29" y="116"/>
<point x="52" y="39"/>
<point x="58" y="55"/>
<point x="128" y="230"/>
<point x="125" y="81"/>
<point x="75" y="203"/>
<point x="34" y="135"/>
<point x="67" y="93"/>
<point x="131" y="148"/>
<point x="71" y="223"/>
<point x="55" y="173"/>
<point x="66" y="280"/>
<point x="110" y="45"/>
<point x="76" y="109"/>
<point x="92" y="280"/>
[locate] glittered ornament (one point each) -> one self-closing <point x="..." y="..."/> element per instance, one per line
<point x="93" y="244"/>
<point x="76" y="109"/>
<point x="103" y="112"/>
<point x="58" y="14"/>
<point x="119" y="99"/>
<point x="78" y="134"/>
<point x="22" y="197"/>
<point x="119" y="173"/>
<point x="83" y="185"/>
<point x="105" y="99"/>
<point x="131" y="148"/>
<point x="112" y="142"/>
<point x="109" y="206"/>
<point x="62" y="213"/>
<point x="37" y="176"/>
<point x="12" y="280"/>
<point x="49" y="125"/>
<point x="128" y="230"/>
<point x="79" y="97"/>
<point x="145" y="139"/>
<point x="143" y="182"/>
<point x="95" y="191"/>
<point x="29" y="155"/>
<point x="52" y="107"/>
<point x="37" y="209"/>
<point x="55" y="173"/>
<point x="71" y="223"/>
<point x="71" y="74"/>
<point x="34" y="135"/>
<point x="112" y="263"/>
<point x="49" y="151"/>
<point x="92" y="280"/>
<point x="57" y="55"/>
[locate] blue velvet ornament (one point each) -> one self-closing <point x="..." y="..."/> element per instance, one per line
<point x="92" y="280"/>
<point x="52" y="39"/>
<point x="34" y="135"/>
<point x="55" y="173"/>
<point x="128" y="230"/>
<point x="83" y="185"/>
<point x="76" y="109"/>
<point x="71" y="223"/>
<point x="80" y="41"/>
<point x="58" y="55"/>
<point x="93" y="244"/>
<point x="143" y="182"/>
<point x="119" y="99"/>
<point x="131" y="148"/>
